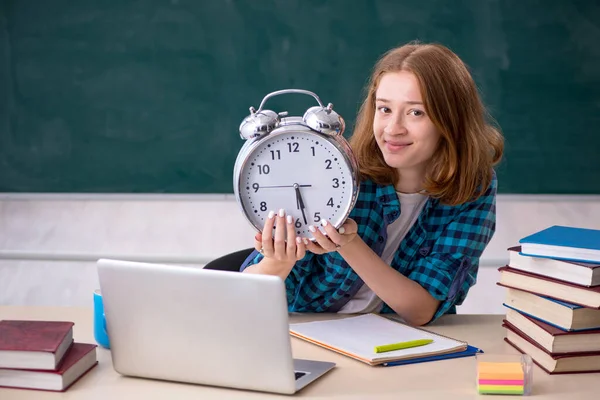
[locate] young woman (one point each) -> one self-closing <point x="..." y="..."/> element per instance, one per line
<point x="426" y="207"/>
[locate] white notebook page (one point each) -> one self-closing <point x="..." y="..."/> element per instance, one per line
<point x="359" y="335"/>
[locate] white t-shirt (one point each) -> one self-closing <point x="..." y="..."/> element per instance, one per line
<point x="365" y="300"/>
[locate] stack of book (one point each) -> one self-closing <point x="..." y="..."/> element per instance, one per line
<point x="553" y="299"/>
<point x="42" y="355"/>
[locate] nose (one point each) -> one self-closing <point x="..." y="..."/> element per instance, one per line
<point x="395" y="126"/>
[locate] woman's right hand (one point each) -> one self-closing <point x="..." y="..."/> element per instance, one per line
<point x="282" y="250"/>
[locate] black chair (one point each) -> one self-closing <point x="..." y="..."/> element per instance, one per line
<point x="229" y="262"/>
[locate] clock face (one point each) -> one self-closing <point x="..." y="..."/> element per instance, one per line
<point x="301" y="172"/>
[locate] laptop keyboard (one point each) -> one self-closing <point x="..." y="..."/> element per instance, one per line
<point x="299" y="374"/>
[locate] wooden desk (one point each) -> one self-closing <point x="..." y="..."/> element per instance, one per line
<point x="447" y="379"/>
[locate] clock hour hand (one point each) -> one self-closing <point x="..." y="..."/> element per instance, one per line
<point x="300" y="202"/>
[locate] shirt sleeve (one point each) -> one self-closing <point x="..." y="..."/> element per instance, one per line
<point x="292" y="282"/>
<point x="450" y="269"/>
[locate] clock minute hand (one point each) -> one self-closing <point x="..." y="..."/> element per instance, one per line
<point x="283" y="186"/>
<point x="300" y="201"/>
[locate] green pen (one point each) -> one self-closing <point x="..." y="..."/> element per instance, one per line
<point x="402" y="345"/>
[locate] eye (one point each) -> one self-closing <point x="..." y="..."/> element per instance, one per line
<point x="416" y="113"/>
<point x="383" y="109"/>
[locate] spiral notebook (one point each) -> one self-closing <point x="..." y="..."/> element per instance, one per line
<point x="357" y="337"/>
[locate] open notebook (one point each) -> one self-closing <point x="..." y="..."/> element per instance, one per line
<point x="357" y="337"/>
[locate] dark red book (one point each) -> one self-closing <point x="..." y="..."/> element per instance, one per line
<point x="34" y="344"/>
<point x="552" y="363"/>
<point x="80" y="358"/>
<point x="553" y="339"/>
<point x="542" y="285"/>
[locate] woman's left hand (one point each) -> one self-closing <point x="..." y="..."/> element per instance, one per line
<point x="335" y="239"/>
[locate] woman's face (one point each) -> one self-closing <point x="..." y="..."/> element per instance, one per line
<point x="405" y="134"/>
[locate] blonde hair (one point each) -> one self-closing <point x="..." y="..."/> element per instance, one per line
<point x="461" y="168"/>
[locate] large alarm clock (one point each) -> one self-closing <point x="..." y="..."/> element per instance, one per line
<point x="300" y="164"/>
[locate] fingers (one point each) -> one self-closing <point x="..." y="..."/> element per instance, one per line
<point x="282" y="245"/>
<point x="292" y="241"/>
<point x="267" y="236"/>
<point x="314" y="247"/>
<point x="280" y="230"/>
<point x="333" y="239"/>
<point x="322" y="240"/>
<point x="334" y="236"/>
<point x="349" y="227"/>
<point x="258" y="242"/>
<point x="301" y="247"/>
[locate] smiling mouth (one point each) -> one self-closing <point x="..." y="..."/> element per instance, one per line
<point x="396" y="146"/>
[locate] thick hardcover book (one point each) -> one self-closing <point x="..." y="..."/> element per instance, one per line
<point x="542" y="285"/>
<point x="80" y="358"/>
<point x="580" y="273"/>
<point x="34" y="344"/>
<point x="552" y="363"/>
<point x="564" y="242"/>
<point x="563" y="315"/>
<point x="554" y="340"/>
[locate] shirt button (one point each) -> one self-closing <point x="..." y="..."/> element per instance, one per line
<point x="394" y="214"/>
<point x="380" y="240"/>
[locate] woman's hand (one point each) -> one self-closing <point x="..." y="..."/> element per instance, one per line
<point x="282" y="250"/>
<point x="335" y="239"/>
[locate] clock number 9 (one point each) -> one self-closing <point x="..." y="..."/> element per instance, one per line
<point x="255" y="186"/>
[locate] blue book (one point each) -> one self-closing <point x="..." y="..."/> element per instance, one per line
<point x="470" y="351"/>
<point x="563" y="243"/>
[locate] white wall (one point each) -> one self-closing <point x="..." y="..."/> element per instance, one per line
<point x="48" y="243"/>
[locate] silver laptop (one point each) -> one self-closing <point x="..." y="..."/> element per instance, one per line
<point x="200" y="326"/>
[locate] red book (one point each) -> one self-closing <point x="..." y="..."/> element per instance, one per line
<point x="34" y="344"/>
<point x="552" y="363"/>
<point x="80" y="358"/>
<point x="545" y="286"/>
<point x="553" y="339"/>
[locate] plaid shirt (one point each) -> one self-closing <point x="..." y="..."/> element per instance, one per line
<point x="440" y="252"/>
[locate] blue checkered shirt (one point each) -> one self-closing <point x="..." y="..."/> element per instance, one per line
<point x="441" y="251"/>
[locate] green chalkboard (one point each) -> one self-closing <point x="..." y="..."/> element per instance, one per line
<point x="146" y="96"/>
